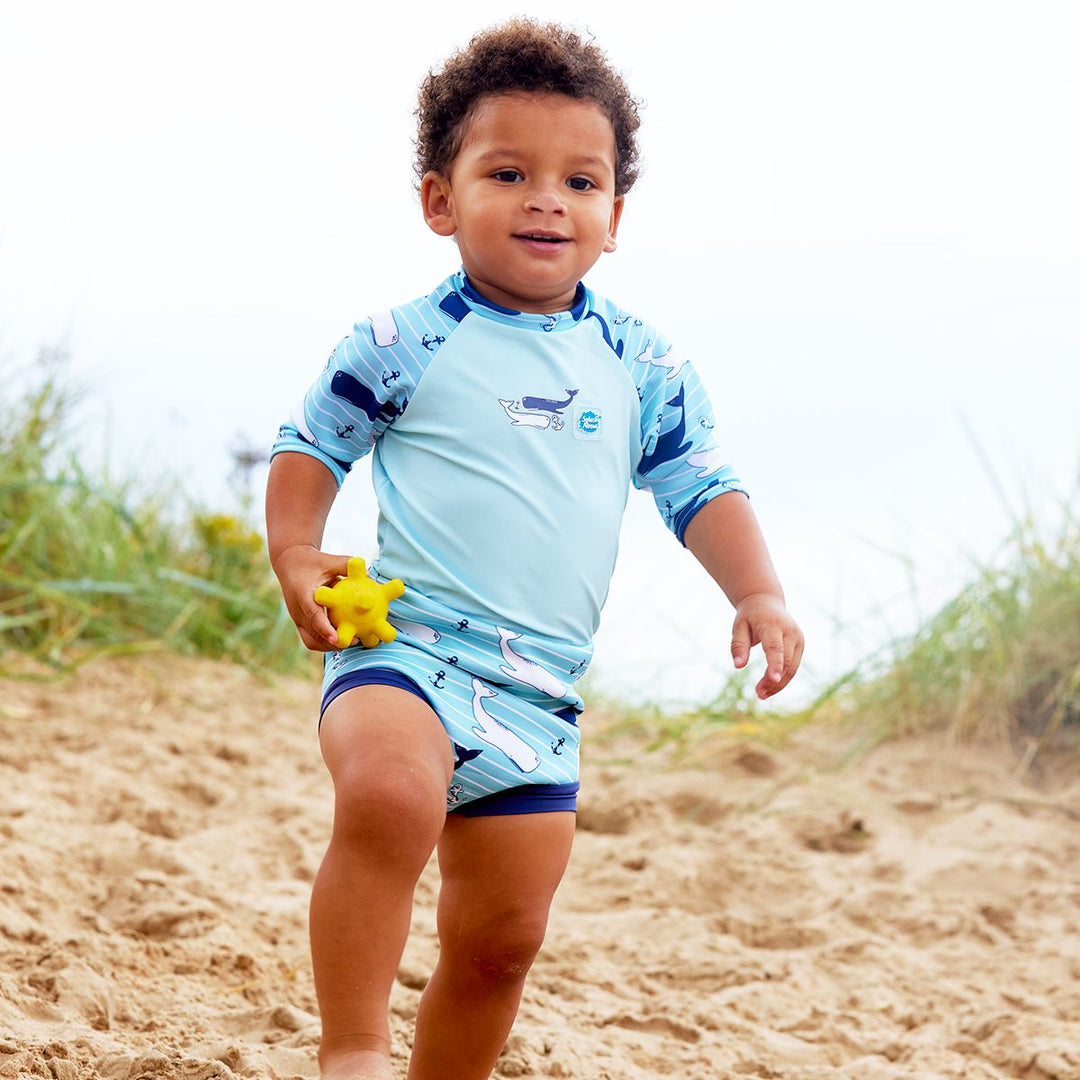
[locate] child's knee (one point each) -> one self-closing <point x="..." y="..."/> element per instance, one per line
<point x="397" y="808"/>
<point x="502" y="949"/>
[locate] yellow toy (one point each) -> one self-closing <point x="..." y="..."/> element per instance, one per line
<point x="358" y="606"/>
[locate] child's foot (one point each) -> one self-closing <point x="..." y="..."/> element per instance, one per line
<point x="355" y="1065"/>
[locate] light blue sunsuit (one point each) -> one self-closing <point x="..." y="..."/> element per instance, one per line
<point x="504" y="445"/>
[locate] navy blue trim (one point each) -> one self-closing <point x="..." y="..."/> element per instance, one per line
<point x="346" y="466"/>
<point x="581" y="297"/>
<point x="372" y="676"/>
<point x="688" y="513"/>
<point x="526" y="799"/>
<point x="384" y="676"/>
<point x="576" y="309"/>
<point x="483" y="301"/>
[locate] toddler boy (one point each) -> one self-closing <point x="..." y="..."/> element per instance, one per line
<point x="508" y="412"/>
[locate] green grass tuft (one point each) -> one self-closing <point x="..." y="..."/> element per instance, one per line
<point x="1001" y="658"/>
<point x="88" y="566"/>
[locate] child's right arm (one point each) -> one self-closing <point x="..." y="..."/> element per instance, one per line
<point x="299" y="494"/>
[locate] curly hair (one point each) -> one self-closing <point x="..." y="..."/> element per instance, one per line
<point x="522" y="56"/>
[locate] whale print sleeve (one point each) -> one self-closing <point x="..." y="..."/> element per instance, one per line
<point x="363" y="388"/>
<point x="680" y="464"/>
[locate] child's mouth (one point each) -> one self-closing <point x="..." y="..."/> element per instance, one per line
<point x="541" y="238"/>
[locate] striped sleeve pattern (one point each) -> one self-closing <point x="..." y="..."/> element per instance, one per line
<point x="367" y="381"/>
<point x="681" y="464"/>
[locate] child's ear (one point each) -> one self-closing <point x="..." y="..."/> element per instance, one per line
<point x="437" y="203"/>
<point x="613" y="226"/>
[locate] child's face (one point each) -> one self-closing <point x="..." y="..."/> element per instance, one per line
<point x="530" y="198"/>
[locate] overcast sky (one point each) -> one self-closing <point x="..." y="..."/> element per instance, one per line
<point x="858" y="219"/>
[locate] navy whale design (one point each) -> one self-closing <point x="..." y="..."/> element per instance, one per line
<point x="548" y="404"/>
<point x="616" y="348"/>
<point x="463" y="754"/>
<point x="352" y="390"/>
<point x="669" y="444"/>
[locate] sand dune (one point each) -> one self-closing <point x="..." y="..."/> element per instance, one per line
<point x="759" y="914"/>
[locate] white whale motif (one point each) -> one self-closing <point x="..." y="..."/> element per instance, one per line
<point x="384" y="329"/>
<point x="520" y="415"/>
<point x="709" y="461"/>
<point x="299" y="421"/>
<point x="499" y="735"/>
<point x="526" y="671"/>
<point x="428" y="635"/>
<point x="671" y="360"/>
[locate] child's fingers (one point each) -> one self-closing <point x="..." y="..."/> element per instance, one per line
<point x="773" y="645"/>
<point x="311" y="641"/>
<point x="327" y="633"/>
<point x="780" y="639"/>
<point x="796" y="656"/>
<point x="792" y="657"/>
<point x="316" y="634"/>
<point x="312" y="620"/>
<point x="740" y="642"/>
<point x="337" y="566"/>
<point x="318" y="624"/>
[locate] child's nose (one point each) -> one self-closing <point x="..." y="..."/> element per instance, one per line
<point x="546" y="199"/>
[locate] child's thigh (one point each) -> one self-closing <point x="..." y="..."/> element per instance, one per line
<point x="377" y="735"/>
<point x="502" y="871"/>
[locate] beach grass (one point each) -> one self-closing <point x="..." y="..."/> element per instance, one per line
<point x="90" y="565"/>
<point x="1000" y="659"/>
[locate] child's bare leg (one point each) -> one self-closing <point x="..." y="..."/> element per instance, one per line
<point x="499" y="875"/>
<point x="391" y="764"/>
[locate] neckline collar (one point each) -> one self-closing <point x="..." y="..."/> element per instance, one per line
<point x="556" y="320"/>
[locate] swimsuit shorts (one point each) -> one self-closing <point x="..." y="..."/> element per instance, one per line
<point x="515" y="743"/>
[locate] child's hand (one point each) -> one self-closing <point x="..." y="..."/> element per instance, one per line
<point x="762" y="618"/>
<point x="301" y="570"/>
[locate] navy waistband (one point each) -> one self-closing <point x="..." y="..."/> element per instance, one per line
<point x="525" y="799"/>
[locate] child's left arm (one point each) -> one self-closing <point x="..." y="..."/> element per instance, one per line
<point x="725" y="538"/>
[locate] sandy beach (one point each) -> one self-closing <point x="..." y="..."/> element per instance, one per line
<point x="750" y="912"/>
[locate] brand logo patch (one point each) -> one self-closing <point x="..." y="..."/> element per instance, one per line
<point x="588" y="423"/>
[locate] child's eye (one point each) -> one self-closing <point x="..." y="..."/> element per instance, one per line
<point x="580" y="183"/>
<point x="507" y="176"/>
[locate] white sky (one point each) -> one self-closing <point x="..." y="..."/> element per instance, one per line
<point x="859" y="219"/>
